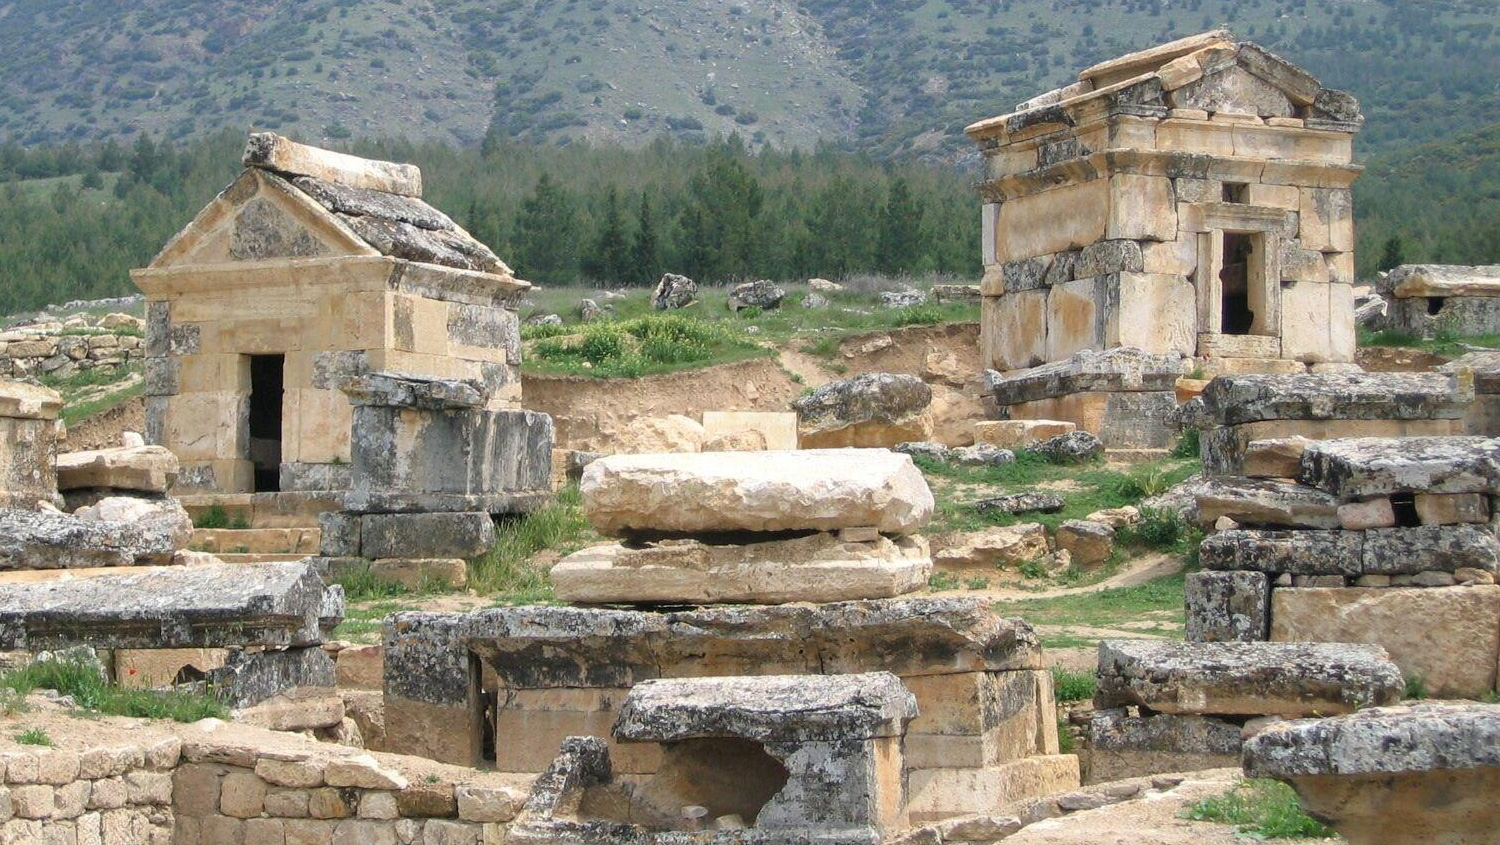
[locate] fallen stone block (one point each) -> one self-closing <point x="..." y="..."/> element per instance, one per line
<point x="817" y="490"/>
<point x="1445" y="636"/>
<point x="32" y="539"/>
<point x="426" y="535"/>
<point x="271" y="604"/>
<point x="1006" y="545"/>
<point x="270" y="151"/>
<point x="297" y="710"/>
<point x="1088" y="543"/>
<point x="1071" y="448"/>
<point x="1366" y="467"/>
<point x="250" y="677"/>
<point x="1424" y="773"/>
<point x="1123" y="746"/>
<point x="1017" y="503"/>
<point x="1239" y="399"/>
<point x="1282" y="679"/>
<point x="1227" y="607"/>
<point x="816" y="568"/>
<point x="1258" y="501"/>
<point x="872" y="409"/>
<point x="150" y="469"/>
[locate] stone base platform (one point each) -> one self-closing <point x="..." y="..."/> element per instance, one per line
<point x="816" y="568"/>
<point x="265" y="510"/>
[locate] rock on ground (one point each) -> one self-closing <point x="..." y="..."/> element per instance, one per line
<point x="674" y="291"/>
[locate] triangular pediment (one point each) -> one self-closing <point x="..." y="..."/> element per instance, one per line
<point x="260" y="217"/>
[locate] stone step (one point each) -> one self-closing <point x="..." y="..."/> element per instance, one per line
<point x="300" y="541"/>
<point x="265" y="510"/>
<point x="253" y="557"/>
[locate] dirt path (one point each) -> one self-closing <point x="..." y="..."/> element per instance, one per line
<point x="1135" y="572"/>
<point x="806" y="367"/>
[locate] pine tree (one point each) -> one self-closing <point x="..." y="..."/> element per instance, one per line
<point x="1393" y="255"/>
<point x="609" y="260"/>
<point x="547" y="234"/>
<point x="644" y="251"/>
<point x="899" y="241"/>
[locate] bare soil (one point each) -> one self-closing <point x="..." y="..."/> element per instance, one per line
<point x="102" y="431"/>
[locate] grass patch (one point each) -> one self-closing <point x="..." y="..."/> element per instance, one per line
<point x="215" y="517"/>
<point x="1416" y="687"/>
<point x="507" y="572"/>
<point x="35" y="736"/>
<point x="1072" y="686"/>
<point x="1443" y="344"/>
<point x="79" y="677"/>
<point x="1157" y="603"/>
<point x="654" y="343"/>
<point x="75" y="412"/>
<point x="1162" y="530"/>
<point x="1262" y="809"/>
<point x="364" y="618"/>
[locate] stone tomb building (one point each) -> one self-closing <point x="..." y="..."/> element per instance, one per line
<point x="1188" y="200"/>
<point x="311" y="269"/>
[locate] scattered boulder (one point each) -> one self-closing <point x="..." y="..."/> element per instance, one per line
<point x="956" y="293"/>
<point x="120" y="321"/>
<point x="923" y="448"/>
<point x="1089" y="543"/>
<point x="1281" y="679"/>
<point x="981" y="454"/>
<point x="905" y="298"/>
<point x="147" y="533"/>
<point x="1116" y="518"/>
<point x="816" y="490"/>
<point x="815" y="300"/>
<point x="672" y="433"/>
<point x="824" y="286"/>
<point x="763" y="294"/>
<point x="1006" y="545"/>
<point x="544" y="320"/>
<point x="1071" y="448"/>
<point x="873" y="409"/>
<point x="1016" y="503"/>
<point x="674" y="291"/>
<point x="590" y="311"/>
<point x="1370" y="309"/>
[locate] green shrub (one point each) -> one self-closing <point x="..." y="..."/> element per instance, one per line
<point x="941" y="581"/>
<point x="1416" y="687"/>
<point x="635" y="347"/>
<point x="35" y="736"/>
<point x="80" y="677"/>
<point x="1157" y="529"/>
<point x="212" y="517"/>
<point x="920" y="315"/>
<point x="507" y="572"/>
<point x="1187" y="444"/>
<point x="1262" y="809"/>
<point x="1072" y="686"/>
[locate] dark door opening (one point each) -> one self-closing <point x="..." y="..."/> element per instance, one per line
<point x="1236" y="316"/>
<point x="266" y="375"/>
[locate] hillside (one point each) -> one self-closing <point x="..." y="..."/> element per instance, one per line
<point x="887" y="77"/>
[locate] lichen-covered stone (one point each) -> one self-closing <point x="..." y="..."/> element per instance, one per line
<point x="426" y="535"/>
<point x="1122" y="745"/>
<point x="1113" y="370"/>
<point x="815" y="490"/>
<point x="762" y="294"/>
<point x="31" y="539"/>
<point x="674" y="291"/>
<point x="870" y="398"/>
<point x="1365" y="467"/>
<point x="1284" y="679"/>
<point x="1017" y="503"/>
<point x="1238" y="399"/>
<point x="1071" y="448"/>
<point x="767" y="708"/>
<point x="1227" y="607"/>
<point x="1425" y="548"/>
<point x="268" y="604"/>
<point x="1277" y="552"/>
<point x="1259" y="501"/>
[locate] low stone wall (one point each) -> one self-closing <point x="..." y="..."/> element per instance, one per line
<point x="60" y="350"/>
<point x="212" y="783"/>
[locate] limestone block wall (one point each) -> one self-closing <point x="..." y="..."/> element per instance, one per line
<point x="61" y="352"/>
<point x="331" y="319"/>
<point x="28" y="443"/>
<point x="107" y="793"/>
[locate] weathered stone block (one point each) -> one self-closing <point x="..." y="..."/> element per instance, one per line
<point x="339" y="534"/>
<point x="147" y="533"/>
<point x="1256" y="501"/>
<point x="1228" y="607"/>
<point x="1452" y="508"/>
<point x="1277" y="552"/>
<point x="1238" y="399"/>
<point x="937" y="794"/>
<point x="1275" y="458"/>
<point x="774" y="491"/>
<point x="1283" y="679"/>
<point x="870" y="410"/>
<point x="151" y="469"/>
<point x="817" y="568"/>
<point x="1123" y="746"/>
<point x="1447" y="636"/>
<point x="1443" y="548"/>
<point x="1357" y="468"/>
<point x="426" y="535"/>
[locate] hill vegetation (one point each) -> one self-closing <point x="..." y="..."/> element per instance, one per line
<point x="882" y="76"/>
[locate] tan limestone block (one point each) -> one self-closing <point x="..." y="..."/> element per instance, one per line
<point x="360" y="321"/>
<point x="213" y="373"/>
<point x="989" y="222"/>
<point x="301" y="774"/>
<point x="1072" y="319"/>
<point x="417" y="574"/>
<point x="325" y="423"/>
<point x="1064" y="218"/>
<point x="937" y="794"/>
<point x="1187" y="114"/>
<point x="1274" y="196"/>
<point x="1179" y="72"/>
<point x="204" y="426"/>
<point x="1156" y="313"/>
<point x="1009" y="160"/>
<point x="1125" y="132"/>
<point x="1305" y="322"/>
<point x="254" y="337"/>
<point x="1447" y="636"/>
<point x="421" y="364"/>
<point x="1195" y="135"/>
<point x="1171" y="258"/>
<point x="361" y="667"/>
<point x="265" y="832"/>
<point x="1015" y="329"/>
<point x="1018" y="434"/>
<point x="288" y="803"/>
<point x="1320" y="209"/>
<point x="530" y="726"/>
<point x="778" y="429"/>
<point x="1278" y="457"/>
<point x="274" y="152"/>
<point x="363" y="772"/>
<point x="28" y="401"/>
<point x="418" y="324"/>
<point x="1141" y="208"/>
<point x="1453" y="508"/>
<point x="242" y="795"/>
<point x="327" y="803"/>
<point x="308" y="832"/>
<point x="1087" y="410"/>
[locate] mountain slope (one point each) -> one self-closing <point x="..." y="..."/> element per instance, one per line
<point x="890" y="76"/>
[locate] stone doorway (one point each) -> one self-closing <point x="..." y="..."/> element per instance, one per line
<point x="267" y="380"/>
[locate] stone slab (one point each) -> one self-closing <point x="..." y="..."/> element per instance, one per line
<point x="1366" y="467"/>
<point x="937" y="794"/>
<point x="270" y="151"/>
<point x="767" y="708"/>
<point x="1227" y="607"/>
<point x="1261" y="501"/>
<point x="1239" y="399"/>
<point x="33" y="539"/>
<point x="815" y="490"/>
<point x="1245" y="679"/>
<point x="816" y="568"/>
<point x="1446" y="636"/>
<point x="426" y="535"/>
<point x="273" y="604"/>
<point x="1123" y="746"/>
<point x="147" y="468"/>
<point x="1122" y="369"/>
